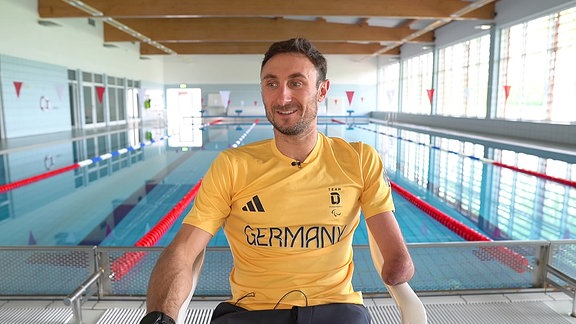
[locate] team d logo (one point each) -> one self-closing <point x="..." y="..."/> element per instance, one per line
<point x="335" y="207"/>
<point x="334" y="198"/>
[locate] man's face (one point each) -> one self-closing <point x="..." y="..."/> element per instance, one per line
<point x="290" y="94"/>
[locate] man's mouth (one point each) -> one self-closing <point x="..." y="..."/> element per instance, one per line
<point x="286" y="112"/>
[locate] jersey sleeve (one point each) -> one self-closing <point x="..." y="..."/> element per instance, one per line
<point x="212" y="203"/>
<point x="377" y="195"/>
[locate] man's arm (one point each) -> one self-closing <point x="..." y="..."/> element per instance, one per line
<point x="171" y="279"/>
<point x="397" y="267"/>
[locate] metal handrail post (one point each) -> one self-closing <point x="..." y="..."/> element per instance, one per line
<point x="569" y="280"/>
<point x="77" y="311"/>
<point x="75" y="298"/>
<point x="105" y="284"/>
<point x="542" y="264"/>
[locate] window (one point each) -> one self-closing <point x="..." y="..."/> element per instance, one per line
<point x="389" y="88"/>
<point x="541" y="209"/>
<point x="416" y="81"/>
<point x="116" y="100"/>
<point x="537" y="71"/>
<point x="463" y="78"/>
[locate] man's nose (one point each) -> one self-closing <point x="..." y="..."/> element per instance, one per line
<point x="284" y="95"/>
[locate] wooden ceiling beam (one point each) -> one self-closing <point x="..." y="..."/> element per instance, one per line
<point x="259" y="48"/>
<point x="154" y="23"/>
<point x="409" y="9"/>
<point x="147" y="49"/>
<point x="254" y="29"/>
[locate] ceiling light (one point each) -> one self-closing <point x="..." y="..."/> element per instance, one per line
<point x="47" y="23"/>
<point x="84" y="7"/>
<point x="111" y="21"/>
<point x="483" y="27"/>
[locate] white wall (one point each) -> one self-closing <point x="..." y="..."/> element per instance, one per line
<point x="240" y="74"/>
<point x="74" y="44"/>
<point x="510" y="11"/>
<point x="42" y="105"/>
<point x="352" y="69"/>
<point x="245" y="69"/>
<point x="212" y="69"/>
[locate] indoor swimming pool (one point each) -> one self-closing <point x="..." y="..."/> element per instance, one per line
<point x="120" y="194"/>
<point x="108" y="202"/>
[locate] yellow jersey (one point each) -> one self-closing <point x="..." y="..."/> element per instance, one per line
<point x="290" y="225"/>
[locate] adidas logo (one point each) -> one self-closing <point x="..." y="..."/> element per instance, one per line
<point x="254" y="205"/>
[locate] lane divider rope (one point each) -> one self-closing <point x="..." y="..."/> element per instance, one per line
<point x="510" y="258"/>
<point x="122" y="266"/>
<point x="243" y="136"/>
<point x="563" y="181"/>
<point x="20" y="183"/>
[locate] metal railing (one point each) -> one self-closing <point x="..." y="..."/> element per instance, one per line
<point x="77" y="274"/>
<point x="561" y="269"/>
<point x="569" y="288"/>
<point x="76" y="298"/>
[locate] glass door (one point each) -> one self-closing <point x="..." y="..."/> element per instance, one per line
<point x="89" y="108"/>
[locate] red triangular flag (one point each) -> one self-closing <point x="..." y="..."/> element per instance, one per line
<point x="350" y="95"/>
<point x="17" y="86"/>
<point x="507" y="91"/>
<point x="100" y="93"/>
<point x="430" y="95"/>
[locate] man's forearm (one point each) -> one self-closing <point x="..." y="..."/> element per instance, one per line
<point x="395" y="263"/>
<point x="170" y="284"/>
<point x="397" y="270"/>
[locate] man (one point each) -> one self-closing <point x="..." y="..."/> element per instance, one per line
<point x="289" y="207"/>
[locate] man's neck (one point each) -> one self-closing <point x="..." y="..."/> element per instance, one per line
<point x="296" y="147"/>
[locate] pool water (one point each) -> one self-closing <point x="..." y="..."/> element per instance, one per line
<point x="117" y="201"/>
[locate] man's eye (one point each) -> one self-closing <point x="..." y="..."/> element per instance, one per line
<point x="271" y="84"/>
<point x="296" y="84"/>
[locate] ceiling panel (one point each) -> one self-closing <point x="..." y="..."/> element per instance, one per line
<point x="175" y="27"/>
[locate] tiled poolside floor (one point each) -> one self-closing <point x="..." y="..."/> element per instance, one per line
<point x="537" y="307"/>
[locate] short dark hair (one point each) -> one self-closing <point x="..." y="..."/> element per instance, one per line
<point x="301" y="46"/>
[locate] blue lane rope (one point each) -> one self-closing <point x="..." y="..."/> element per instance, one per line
<point x="17" y="184"/>
<point x="243" y="136"/>
<point x="563" y="181"/>
<point x="119" y="152"/>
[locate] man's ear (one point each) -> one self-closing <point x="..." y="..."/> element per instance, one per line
<point x="323" y="90"/>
